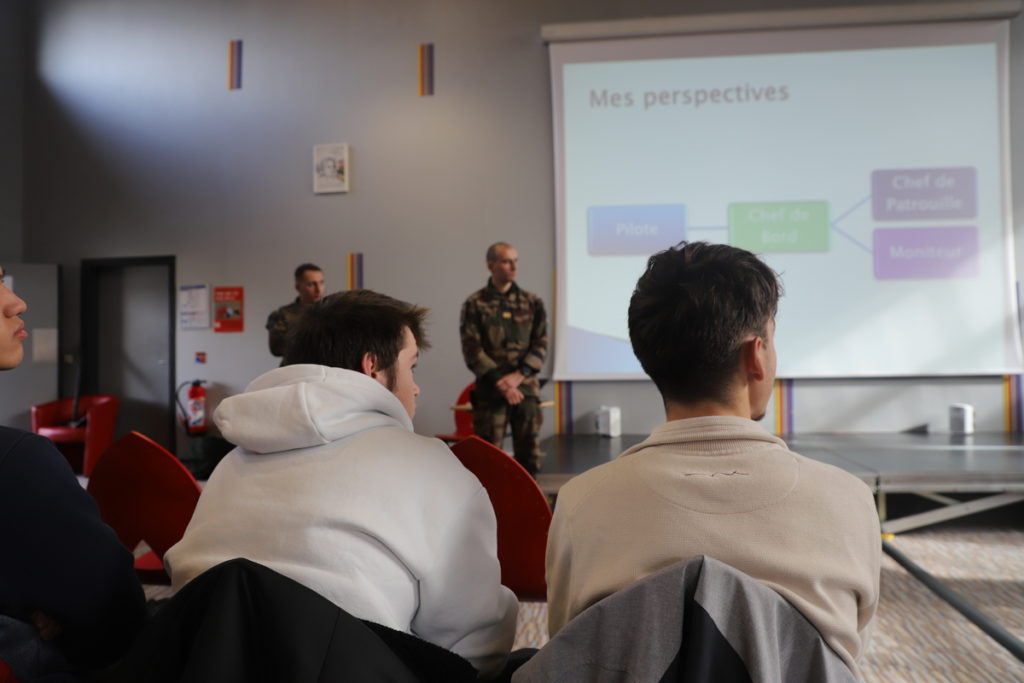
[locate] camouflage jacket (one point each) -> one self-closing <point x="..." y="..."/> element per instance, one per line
<point x="502" y="333"/>
<point x="280" y="321"/>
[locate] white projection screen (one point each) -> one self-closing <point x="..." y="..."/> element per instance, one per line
<point x="867" y="165"/>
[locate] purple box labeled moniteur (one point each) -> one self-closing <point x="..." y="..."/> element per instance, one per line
<point x="903" y="253"/>
<point x="914" y="194"/>
<point x="640" y="229"/>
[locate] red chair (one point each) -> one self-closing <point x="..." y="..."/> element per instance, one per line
<point x="146" y="495"/>
<point x="522" y="511"/>
<point x="463" y="417"/>
<point x="82" y="446"/>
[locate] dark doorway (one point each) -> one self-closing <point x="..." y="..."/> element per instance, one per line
<point x="128" y="307"/>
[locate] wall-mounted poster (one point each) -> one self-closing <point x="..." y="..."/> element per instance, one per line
<point x="194" y="307"/>
<point x="228" y="309"/>
<point x="330" y="168"/>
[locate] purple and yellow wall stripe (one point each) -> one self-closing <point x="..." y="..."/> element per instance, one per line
<point x="1013" y="408"/>
<point x="563" y="407"/>
<point x="783" y="406"/>
<point x="426" y="69"/>
<point x="355" y="270"/>
<point x="234" y="65"/>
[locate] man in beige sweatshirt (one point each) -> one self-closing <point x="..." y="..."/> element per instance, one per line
<point x="710" y="480"/>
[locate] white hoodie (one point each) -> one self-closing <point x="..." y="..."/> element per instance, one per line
<point x="330" y="487"/>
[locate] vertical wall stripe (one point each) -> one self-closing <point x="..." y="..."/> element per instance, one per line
<point x="789" y="406"/>
<point x="1007" y="401"/>
<point x="426" y="69"/>
<point x="558" y="407"/>
<point x="234" y="65"/>
<point x="567" y="416"/>
<point x="1018" y="406"/>
<point x="563" y="407"/>
<point x="355" y="270"/>
<point x="778" y="406"/>
<point x="1012" y="403"/>
<point x="783" y="406"/>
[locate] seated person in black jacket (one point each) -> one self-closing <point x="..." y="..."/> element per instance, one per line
<point x="69" y="597"/>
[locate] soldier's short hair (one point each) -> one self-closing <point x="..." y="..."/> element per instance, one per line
<point x="339" y="330"/>
<point x="691" y="311"/>
<point x="300" y="270"/>
<point x="492" y="251"/>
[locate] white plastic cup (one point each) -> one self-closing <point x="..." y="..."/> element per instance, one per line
<point x="609" y="421"/>
<point x="961" y="418"/>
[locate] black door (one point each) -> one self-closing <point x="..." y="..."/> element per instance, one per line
<point x="128" y="308"/>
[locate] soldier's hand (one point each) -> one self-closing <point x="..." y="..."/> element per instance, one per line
<point x="513" y="396"/>
<point x="510" y="381"/>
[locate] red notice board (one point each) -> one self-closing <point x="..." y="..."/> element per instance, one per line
<point x="228" y="309"/>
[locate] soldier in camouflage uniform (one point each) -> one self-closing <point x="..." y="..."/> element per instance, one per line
<point x="309" y="283"/>
<point x="504" y="342"/>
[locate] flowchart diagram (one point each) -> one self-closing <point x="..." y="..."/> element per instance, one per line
<point x="914" y="199"/>
<point x="876" y="190"/>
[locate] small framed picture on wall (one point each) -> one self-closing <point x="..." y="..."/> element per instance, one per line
<point x="330" y="168"/>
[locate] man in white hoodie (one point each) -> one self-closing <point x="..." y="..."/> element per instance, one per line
<point x="330" y="486"/>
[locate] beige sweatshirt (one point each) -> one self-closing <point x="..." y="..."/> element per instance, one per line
<point x="726" y="488"/>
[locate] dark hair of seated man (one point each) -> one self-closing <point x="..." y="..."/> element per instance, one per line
<point x="340" y="330"/>
<point x="692" y="310"/>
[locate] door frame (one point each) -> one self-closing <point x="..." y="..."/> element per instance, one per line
<point x="91" y="271"/>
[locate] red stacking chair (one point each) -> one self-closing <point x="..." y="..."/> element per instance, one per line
<point x="463" y="409"/>
<point x="6" y="675"/>
<point x="522" y="511"/>
<point x="146" y="495"/>
<point x="91" y="439"/>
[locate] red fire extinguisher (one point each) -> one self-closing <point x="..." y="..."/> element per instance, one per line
<point x="194" y="411"/>
<point x="196" y="408"/>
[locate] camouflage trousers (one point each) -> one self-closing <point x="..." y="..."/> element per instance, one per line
<point x="492" y="415"/>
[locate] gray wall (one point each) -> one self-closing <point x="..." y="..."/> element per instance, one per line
<point x="136" y="147"/>
<point x="12" y="69"/>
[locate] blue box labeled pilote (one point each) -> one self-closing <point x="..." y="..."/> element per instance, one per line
<point x="640" y="229"/>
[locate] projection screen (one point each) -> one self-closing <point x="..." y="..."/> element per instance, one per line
<point x="868" y="166"/>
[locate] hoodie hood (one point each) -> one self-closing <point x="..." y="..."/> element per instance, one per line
<point x="299" y="406"/>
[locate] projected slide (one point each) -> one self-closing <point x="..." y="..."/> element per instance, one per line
<point x="871" y="178"/>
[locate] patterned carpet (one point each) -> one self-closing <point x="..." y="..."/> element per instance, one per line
<point x="919" y="638"/>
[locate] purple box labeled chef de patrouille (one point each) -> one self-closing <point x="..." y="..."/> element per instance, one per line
<point x="914" y="194"/>
<point x="903" y="253"/>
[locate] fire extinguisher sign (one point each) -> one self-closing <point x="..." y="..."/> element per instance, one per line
<point x="228" y="309"/>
